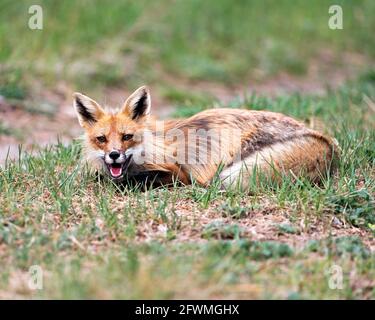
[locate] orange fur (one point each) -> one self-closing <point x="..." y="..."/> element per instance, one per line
<point x="269" y="141"/>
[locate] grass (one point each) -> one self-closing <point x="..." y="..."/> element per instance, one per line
<point x="94" y="240"/>
<point x="5" y="130"/>
<point x="127" y="42"/>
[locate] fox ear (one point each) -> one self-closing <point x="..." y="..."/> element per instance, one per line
<point x="88" y="111"/>
<point x="138" y="105"/>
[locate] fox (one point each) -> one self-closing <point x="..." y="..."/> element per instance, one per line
<point x="226" y="144"/>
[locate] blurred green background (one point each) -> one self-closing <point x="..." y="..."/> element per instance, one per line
<point x="92" y="45"/>
<point x="193" y="55"/>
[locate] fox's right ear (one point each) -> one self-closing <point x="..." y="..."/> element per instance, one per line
<point x="88" y="111"/>
<point x="138" y="105"/>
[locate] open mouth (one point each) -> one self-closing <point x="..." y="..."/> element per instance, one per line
<point x="116" y="169"/>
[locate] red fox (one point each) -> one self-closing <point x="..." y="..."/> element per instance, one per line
<point x="229" y="144"/>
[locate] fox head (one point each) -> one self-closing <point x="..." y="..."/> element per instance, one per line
<point x="110" y="136"/>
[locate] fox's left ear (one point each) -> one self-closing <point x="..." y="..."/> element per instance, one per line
<point x="138" y="105"/>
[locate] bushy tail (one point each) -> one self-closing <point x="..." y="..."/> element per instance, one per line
<point x="312" y="155"/>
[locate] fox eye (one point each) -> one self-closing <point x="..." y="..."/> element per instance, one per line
<point x="101" y="139"/>
<point x="127" y="137"/>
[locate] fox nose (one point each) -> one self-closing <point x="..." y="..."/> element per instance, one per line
<point x="114" y="155"/>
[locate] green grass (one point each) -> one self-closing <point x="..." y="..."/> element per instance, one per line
<point x="11" y="85"/>
<point x="5" y="130"/>
<point x="127" y="42"/>
<point x="89" y="236"/>
<point x="94" y="240"/>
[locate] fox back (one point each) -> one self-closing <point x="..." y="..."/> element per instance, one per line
<point x="232" y="144"/>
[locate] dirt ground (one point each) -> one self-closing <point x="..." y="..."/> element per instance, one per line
<point x="259" y="223"/>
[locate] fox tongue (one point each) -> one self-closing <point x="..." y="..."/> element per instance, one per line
<point x="115" y="171"/>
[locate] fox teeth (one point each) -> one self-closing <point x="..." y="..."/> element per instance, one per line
<point x="115" y="172"/>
